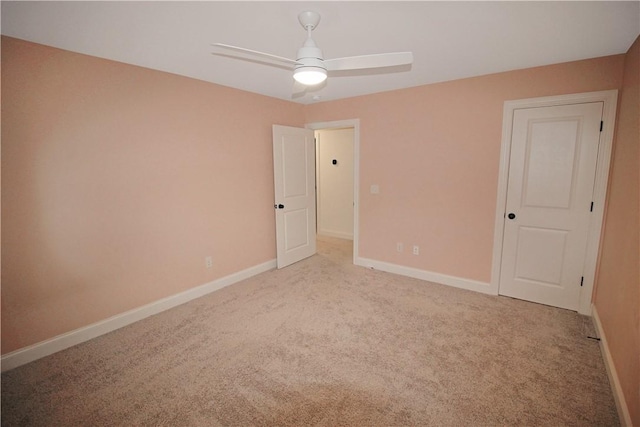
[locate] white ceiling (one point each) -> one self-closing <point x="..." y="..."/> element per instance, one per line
<point x="449" y="40"/>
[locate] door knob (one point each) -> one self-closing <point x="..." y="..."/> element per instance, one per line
<point x="280" y="206"/>
<point x="511" y="215"/>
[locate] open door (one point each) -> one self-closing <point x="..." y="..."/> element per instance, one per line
<point x="294" y="174"/>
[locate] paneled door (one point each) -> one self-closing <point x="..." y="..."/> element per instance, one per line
<point x="294" y="171"/>
<point x="552" y="169"/>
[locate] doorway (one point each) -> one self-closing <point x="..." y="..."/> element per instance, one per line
<point x="334" y="183"/>
<point x="553" y="177"/>
<point x="341" y="222"/>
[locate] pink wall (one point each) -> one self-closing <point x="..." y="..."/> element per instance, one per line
<point x="617" y="296"/>
<point x="434" y="151"/>
<point x="118" y="181"/>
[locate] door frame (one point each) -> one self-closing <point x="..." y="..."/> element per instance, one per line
<point x="609" y="99"/>
<point x="355" y="124"/>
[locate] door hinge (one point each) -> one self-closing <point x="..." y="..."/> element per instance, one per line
<point x="601" y="125"/>
<point x="582" y="281"/>
<point x="591" y="209"/>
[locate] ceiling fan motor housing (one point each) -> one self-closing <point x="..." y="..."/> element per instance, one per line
<point x="310" y="57"/>
<point x="309" y="69"/>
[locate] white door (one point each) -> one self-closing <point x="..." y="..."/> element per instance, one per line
<point x="295" y="204"/>
<point x="552" y="168"/>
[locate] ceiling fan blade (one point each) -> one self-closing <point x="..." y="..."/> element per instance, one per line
<point x="299" y="90"/>
<point x="255" y="53"/>
<point x="369" y="61"/>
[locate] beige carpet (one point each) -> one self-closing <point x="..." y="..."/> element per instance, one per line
<point x="326" y="343"/>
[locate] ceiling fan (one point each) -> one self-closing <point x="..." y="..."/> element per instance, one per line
<point x="310" y="68"/>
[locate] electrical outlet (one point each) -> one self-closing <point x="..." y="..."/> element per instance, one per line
<point x="416" y="250"/>
<point x="208" y="261"/>
<point x="399" y="247"/>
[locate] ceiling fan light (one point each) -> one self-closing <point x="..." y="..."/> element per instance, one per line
<point x="310" y="76"/>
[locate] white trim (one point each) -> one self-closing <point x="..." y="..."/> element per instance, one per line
<point x="355" y="124"/>
<point x="609" y="99"/>
<point x="616" y="388"/>
<point x="429" y="276"/>
<point x="86" y="333"/>
<point x="336" y="234"/>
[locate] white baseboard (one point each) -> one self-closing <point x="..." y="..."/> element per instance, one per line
<point x="618" y="395"/>
<point x="44" y="348"/>
<point x="336" y="234"/>
<point x="443" y="279"/>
